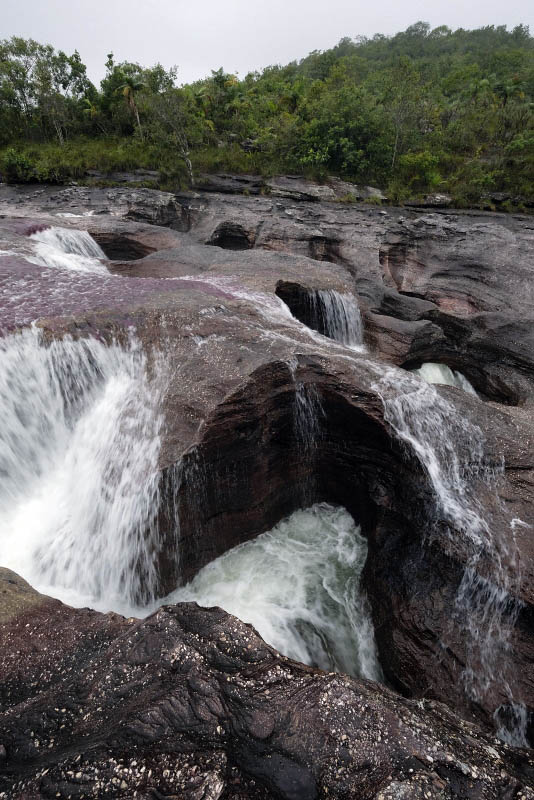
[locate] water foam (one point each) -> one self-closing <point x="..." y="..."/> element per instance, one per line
<point x="299" y="586"/>
<point x="432" y="372"/>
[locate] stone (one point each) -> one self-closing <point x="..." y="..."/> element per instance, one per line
<point x="296" y="188"/>
<point x="436" y="200"/>
<point x="231" y="184"/>
<point x="167" y="707"/>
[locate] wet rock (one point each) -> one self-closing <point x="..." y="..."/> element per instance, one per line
<point x="465" y="273"/>
<point x="191" y="703"/>
<point x="232" y="236"/>
<point x="142" y="205"/>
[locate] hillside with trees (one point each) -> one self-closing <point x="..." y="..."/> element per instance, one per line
<point x="422" y="111"/>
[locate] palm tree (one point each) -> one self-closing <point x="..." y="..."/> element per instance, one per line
<point x="128" y="88"/>
<point x="92" y="111"/>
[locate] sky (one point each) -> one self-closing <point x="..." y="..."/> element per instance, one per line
<point x="238" y="35"/>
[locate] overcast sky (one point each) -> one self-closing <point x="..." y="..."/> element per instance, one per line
<point x="239" y="35"/>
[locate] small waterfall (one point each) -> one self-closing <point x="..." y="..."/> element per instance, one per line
<point x="485" y="608"/>
<point x="336" y="315"/>
<point x="308" y="415"/>
<point x="299" y="586"/>
<point x="79" y="446"/>
<point x="432" y="372"/>
<point x="308" y="418"/>
<point x="69" y="249"/>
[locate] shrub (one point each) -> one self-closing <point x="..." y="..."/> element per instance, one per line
<point x="15" y="167"/>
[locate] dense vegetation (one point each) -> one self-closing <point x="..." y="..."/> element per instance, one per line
<point x="425" y="110"/>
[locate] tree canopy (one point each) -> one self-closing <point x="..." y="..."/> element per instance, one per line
<point x="424" y="110"/>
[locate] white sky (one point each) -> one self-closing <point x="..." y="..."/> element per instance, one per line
<point x="239" y="35"/>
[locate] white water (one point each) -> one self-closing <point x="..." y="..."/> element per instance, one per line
<point x="430" y="427"/>
<point x="338" y="315"/>
<point x="431" y="372"/>
<point x="485" y="609"/>
<point x="79" y="444"/>
<point x="298" y="585"/>
<point x="69" y="249"/>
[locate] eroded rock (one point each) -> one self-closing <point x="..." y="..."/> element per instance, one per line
<point x="191" y="703"/>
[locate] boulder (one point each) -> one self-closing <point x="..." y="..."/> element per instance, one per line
<point x="136" y="176"/>
<point x="230" y="184"/>
<point x="436" y="200"/>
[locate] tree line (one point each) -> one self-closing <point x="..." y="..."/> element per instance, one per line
<point x="426" y="110"/>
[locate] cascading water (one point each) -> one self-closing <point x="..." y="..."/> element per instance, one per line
<point x="79" y="449"/>
<point x="485" y="608"/>
<point x="336" y="315"/>
<point x="308" y="415"/>
<point x="431" y="372"/>
<point x="69" y="249"/>
<point x="79" y="445"/>
<point x="299" y="586"/>
<point x="308" y="410"/>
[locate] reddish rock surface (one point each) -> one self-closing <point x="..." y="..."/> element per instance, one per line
<point x="191" y="703"/>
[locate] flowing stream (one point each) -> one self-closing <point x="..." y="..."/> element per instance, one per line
<point x="336" y="315"/>
<point x="79" y="496"/>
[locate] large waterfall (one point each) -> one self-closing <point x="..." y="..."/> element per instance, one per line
<point x="79" y="494"/>
<point x="79" y="445"/>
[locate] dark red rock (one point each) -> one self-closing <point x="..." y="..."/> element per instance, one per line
<point x="191" y="703"/>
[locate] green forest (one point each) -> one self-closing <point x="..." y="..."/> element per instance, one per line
<point x="427" y="110"/>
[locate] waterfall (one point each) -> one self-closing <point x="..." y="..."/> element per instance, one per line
<point x="485" y="607"/>
<point x="68" y="249"/>
<point x="298" y="585"/>
<point x="79" y="446"/>
<point x="308" y="415"/>
<point x="336" y="315"/>
<point x="432" y="372"/>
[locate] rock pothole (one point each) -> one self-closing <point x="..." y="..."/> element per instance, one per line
<point x="119" y="246"/>
<point x="232" y="236"/>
